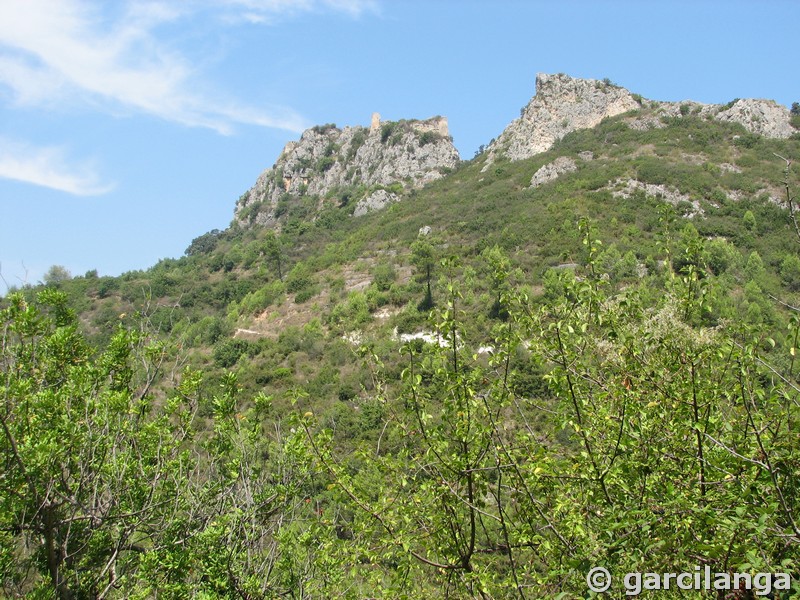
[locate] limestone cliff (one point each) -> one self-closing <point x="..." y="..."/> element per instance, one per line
<point x="349" y="165"/>
<point x="563" y="104"/>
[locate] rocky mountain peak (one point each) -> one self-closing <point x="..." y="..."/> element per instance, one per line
<point x="563" y="104"/>
<point x="349" y="165"/>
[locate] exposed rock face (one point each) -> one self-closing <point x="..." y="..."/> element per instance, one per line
<point x="327" y="159"/>
<point x="626" y="188"/>
<point x="377" y="200"/>
<point x="764" y="117"/>
<point x="551" y="171"/>
<point x="563" y="104"/>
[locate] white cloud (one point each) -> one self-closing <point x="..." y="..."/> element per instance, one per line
<point x="55" y="51"/>
<point x="48" y="167"/>
<point x="259" y="11"/>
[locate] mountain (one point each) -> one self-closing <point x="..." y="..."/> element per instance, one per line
<point x="577" y="348"/>
<point x="366" y="168"/>
<point x="563" y="104"/>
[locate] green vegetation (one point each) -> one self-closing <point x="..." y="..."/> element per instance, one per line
<point x="56" y="274"/>
<point x="597" y="378"/>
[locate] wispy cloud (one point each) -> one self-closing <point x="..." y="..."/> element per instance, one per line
<point x="65" y="50"/>
<point x="115" y="57"/>
<point x="49" y="167"/>
<point x="260" y="11"/>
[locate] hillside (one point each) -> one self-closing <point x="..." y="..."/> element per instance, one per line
<point x="398" y="374"/>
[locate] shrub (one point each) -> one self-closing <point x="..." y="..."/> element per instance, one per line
<point x="790" y="272"/>
<point x="754" y="267"/>
<point x="383" y="275"/>
<point x="749" y="220"/>
<point x="323" y="129"/>
<point x="746" y="140"/>
<point x="258" y="300"/>
<point x="352" y="312"/>
<point x="106" y="286"/>
<point x="720" y="255"/>
<point x="228" y="352"/>
<point x="56" y="274"/>
<point x="298" y="278"/>
<point x="204" y="244"/>
<point x="358" y="140"/>
<point x="429" y="137"/>
<point x="325" y="163"/>
<point x="305" y="295"/>
<point x="387" y="130"/>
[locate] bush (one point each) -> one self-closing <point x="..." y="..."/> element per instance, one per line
<point x="298" y="278"/>
<point x="325" y="163"/>
<point x="106" y="286"/>
<point x="305" y="295"/>
<point x="352" y="312"/>
<point x="358" y="140"/>
<point x="383" y="275"/>
<point x="749" y="220"/>
<point x="409" y="321"/>
<point x="204" y="244"/>
<point x="323" y="129"/>
<point x="720" y="255"/>
<point x="262" y="298"/>
<point x="429" y="137"/>
<point x="230" y="351"/>
<point x="387" y="131"/>
<point x="56" y="275"/>
<point x="790" y="272"/>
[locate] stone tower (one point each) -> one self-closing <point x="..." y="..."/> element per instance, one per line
<point x="443" y="129"/>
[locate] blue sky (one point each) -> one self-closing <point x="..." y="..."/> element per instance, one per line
<point x="128" y="128"/>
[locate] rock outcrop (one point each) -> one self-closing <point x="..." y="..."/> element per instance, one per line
<point x="377" y="200"/>
<point x="626" y="188"/>
<point x="552" y="171"/>
<point x="352" y="162"/>
<point x="763" y="117"/>
<point x="563" y="104"/>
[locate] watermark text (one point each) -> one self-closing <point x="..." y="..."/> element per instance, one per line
<point x="599" y="580"/>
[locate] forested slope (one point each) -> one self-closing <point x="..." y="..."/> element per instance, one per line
<point x="483" y="390"/>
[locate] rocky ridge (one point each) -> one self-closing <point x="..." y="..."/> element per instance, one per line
<point x="368" y="169"/>
<point x="563" y="104"/>
<point x="351" y="165"/>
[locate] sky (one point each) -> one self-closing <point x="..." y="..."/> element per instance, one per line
<point x="128" y="128"/>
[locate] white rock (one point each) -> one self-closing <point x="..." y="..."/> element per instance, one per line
<point x="553" y="170"/>
<point x="377" y="200"/>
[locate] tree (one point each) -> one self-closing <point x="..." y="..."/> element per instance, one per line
<point x="204" y="244"/>
<point x="749" y="220"/>
<point x="659" y="425"/>
<point x="273" y="248"/>
<point x="790" y="271"/>
<point x="423" y="257"/>
<point x="56" y="274"/>
<point x="93" y="471"/>
<point x="499" y="268"/>
<point x="754" y="267"/>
